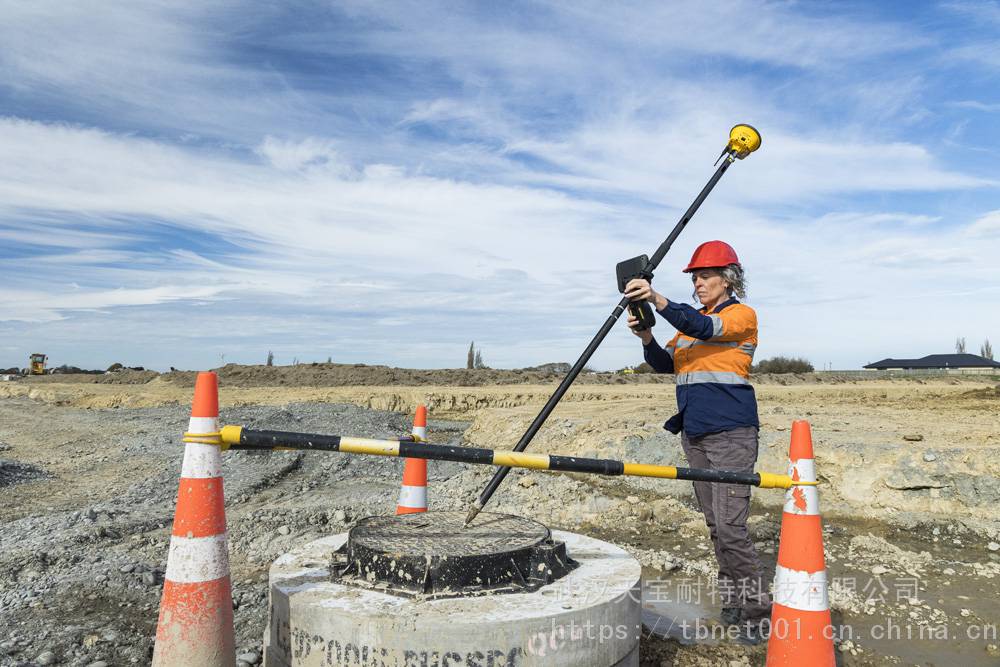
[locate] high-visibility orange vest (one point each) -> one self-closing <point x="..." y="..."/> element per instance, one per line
<point x="711" y="356"/>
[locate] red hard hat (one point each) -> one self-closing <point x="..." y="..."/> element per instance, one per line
<point x="712" y="254"/>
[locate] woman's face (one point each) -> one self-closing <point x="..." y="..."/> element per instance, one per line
<point x="709" y="286"/>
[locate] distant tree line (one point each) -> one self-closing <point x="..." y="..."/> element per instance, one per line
<point x="772" y="365"/>
<point x="474" y="359"/>
<point x="985" y="350"/>
<point x="783" y="365"/>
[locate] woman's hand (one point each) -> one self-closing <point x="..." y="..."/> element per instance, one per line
<point x="639" y="289"/>
<point x="646" y="336"/>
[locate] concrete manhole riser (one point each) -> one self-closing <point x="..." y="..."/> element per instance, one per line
<point x="588" y="618"/>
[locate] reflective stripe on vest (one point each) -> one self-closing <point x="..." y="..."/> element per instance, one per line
<point x="718" y="377"/>
<point x="694" y="342"/>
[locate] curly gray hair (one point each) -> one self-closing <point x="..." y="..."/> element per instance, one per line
<point x="732" y="274"/>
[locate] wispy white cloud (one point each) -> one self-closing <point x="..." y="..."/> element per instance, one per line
<point x="983" y="53"/>
<point x="980" y="45"/>
<point x="976" y="106"/>
<point x="985" y="11"/>
<point x="47" y="306"/>
<point x="564" y="37"/>
<point x="309" y="153"/>
<point x="630" y="158"/>
<point x="460" y="171"/>
<point x="986" y="226"/>
<point x="855" y="220"/>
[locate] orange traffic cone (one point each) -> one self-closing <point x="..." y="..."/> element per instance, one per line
<point x="196" y="611"/>
<point x="413" y="495"/>
<point x="801" y="631"/>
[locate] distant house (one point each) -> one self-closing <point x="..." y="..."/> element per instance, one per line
<point x="956" y="363"/>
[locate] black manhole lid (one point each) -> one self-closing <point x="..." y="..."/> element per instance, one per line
<point x="430" y="554"/>
<point x="442" y="534"/>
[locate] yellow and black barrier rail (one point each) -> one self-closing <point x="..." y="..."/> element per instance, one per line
<point x="239" y="438"/>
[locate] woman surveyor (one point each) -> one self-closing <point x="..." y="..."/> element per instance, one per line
<point x="716" y="412"/>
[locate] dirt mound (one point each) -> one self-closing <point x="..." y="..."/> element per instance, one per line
<point x="89" y="377"/>
<point x="985" y="392"/>
<point x="127" y="377"/>
<point x="363" y="375"/>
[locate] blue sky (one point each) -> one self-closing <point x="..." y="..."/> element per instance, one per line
<point x="385" y="182"/>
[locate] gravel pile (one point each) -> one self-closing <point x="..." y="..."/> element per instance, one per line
<point x="13" y="472"/>
<point x="82" y="587"/>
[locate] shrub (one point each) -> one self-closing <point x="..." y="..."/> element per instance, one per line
<point x="783" y="365"/>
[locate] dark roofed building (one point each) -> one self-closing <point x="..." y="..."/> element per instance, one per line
<point x="969" y="363"/>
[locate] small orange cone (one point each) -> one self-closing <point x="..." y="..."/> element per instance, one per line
<point x="413" y="495"/>
<point x="195" y="628"/>
<point x="801" y="631"/>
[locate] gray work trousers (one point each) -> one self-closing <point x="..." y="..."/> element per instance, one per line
<point x="726" y="508"/>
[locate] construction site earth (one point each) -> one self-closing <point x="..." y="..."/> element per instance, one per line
<point x="89" y="466"/>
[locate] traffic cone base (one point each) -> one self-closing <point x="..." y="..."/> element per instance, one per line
<point x="196" y="621"/>
<point x="798" y="633"/>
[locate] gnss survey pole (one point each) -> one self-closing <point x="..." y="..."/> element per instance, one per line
<point x="743" y="140"/>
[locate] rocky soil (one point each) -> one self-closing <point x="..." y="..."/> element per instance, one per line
<point x="363" y="375"/>
<point x="89" y="472"/>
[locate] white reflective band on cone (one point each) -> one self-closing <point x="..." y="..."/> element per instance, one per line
<point x="806" y="469"/>
<point x="203" y="425"/>
<point x="413" y="496"/>
<point x="805" y="591"/>
<point x="201" y="461"/>
<point x="196" y="559"/>
<point x="802" y="501"/>
<point x="420" y="432"/>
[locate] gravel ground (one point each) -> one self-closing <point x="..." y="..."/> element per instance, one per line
<point x="82" y="586"/>
<point x="88" y="503"/>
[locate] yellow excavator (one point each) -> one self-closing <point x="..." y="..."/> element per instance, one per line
<point x="36" y="365"/>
